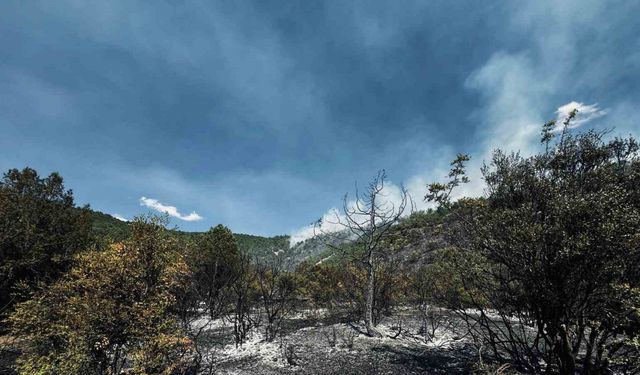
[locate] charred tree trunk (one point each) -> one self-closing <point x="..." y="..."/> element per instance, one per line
<point x="368" y="316"/>
<point x="566" y="360"/>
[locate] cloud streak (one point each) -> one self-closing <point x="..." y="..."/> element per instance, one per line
<point x="586" y="113"/>
<point x="169" y="210"/>
<point x="119" y="217"/>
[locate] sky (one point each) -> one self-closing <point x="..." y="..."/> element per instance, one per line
<point x="261" y="115"/>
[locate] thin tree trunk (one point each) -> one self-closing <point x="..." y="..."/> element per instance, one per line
<point x="368" y="318"/>
<point x="567" y="363"/>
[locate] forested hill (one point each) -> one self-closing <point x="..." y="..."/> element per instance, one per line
<point x="107" y="227"/>
<point x="412" y="241"/>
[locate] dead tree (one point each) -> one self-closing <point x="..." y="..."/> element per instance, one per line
<point x="277" y="291"/>
<point x="245" y="316"/>
<point x="368" y="220"/>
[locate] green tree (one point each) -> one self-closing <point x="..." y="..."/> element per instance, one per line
<point x="216" y="260"/>
<point x="112" y="312"/>
<point x="40" y="231"/>
<point x="556" y="249"/>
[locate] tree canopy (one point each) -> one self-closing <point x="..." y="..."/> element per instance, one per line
<point x="112" y="311"/>
<point x="555" y="246"/>
<point x="41" y="230"/>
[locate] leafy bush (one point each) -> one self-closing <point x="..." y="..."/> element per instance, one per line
<point x="110" y="312"/>
<point x="549" y="261"/>
<point x="41" y="230"/>
<point x="215" y="261"/>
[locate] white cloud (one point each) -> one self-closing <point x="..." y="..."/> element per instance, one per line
<point x="585" y="113"/>
<point x="169" y="210"/>
<point x="121" y="218"/>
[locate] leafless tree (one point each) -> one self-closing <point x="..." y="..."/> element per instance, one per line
<point x="368" y="220"/>
<point x="277" y="291"/>
<point x="245" y="316"/>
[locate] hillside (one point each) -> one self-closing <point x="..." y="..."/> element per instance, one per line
<point x="412" y="240"/>
<point x="108" y="228"/>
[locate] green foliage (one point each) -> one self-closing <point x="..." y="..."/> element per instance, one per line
<point x="261" y="247"/>
<point x="111" y="312"/>
<point x="340" y="288"/>
<point x="337" y="287"/>
<point x="442" y="282"/>
<point x="40" y="232"/>
<point x="627" y="305"/>
<point x="415" y="234"/>
<point x="552" y="246"/>
<point x="106" y="229"/>
<point x="216" y="263"/>
<point x="440" y="192"/>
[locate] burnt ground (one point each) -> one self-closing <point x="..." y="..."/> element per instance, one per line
<point x="308" y="346"/>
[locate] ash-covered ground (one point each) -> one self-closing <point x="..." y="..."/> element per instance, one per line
<point x="312" y="344"/>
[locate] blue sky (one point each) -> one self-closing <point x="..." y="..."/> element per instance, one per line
<point x="261" y="115"/>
